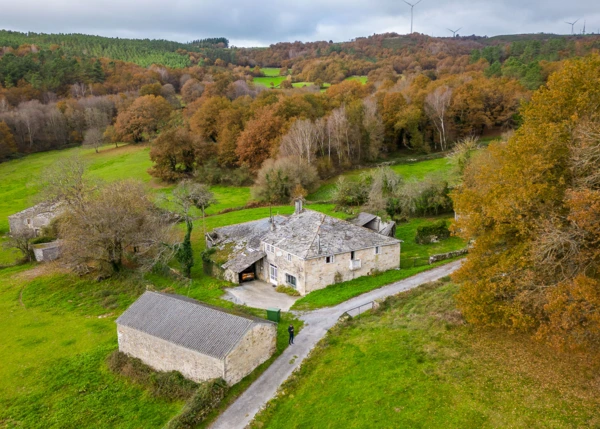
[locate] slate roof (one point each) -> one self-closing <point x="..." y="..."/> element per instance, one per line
<point x="243" y="260"/>
<point x="311" y="234"/>
<point x="245" y="234"/>
<point x="41" y="208"/>
<point x="188" y="323"/>
<point x="363" y="218"/>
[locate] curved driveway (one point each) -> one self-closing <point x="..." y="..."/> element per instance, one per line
<point x="316" y="324"/>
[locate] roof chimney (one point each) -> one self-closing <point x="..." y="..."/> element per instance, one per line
<point x="298" y="205"/>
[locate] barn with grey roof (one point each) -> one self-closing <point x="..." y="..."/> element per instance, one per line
<point x="307" y="250"/>
<point x="175" y="333"/>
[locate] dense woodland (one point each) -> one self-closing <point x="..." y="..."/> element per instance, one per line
<point x="524" y="203"/>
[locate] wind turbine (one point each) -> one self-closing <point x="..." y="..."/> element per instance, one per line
<point x="454" y="31"/>
<point x="412" y="6"/>
<point x="572" y="24"/>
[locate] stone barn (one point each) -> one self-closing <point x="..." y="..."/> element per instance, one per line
<point x="175" y="333"/>
<point x="31" y="221"/>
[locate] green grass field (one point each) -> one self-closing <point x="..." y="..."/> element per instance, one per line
<point x="270" y="71"/>
<point x="19" y="186"/>
<point x="415" y="364"/>
<point x="408" y="171"/>
<point x="361" y="79"/>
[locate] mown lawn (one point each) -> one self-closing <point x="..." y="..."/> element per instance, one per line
<point x="408" y="171"/>
<point x="270" y="71"/>
<point x="416" y="364"/>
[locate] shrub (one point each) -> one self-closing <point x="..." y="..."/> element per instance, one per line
<point x="288" y="290"/>
<point x="431" y="233"/>
<point x="277" y="179"/>
<point x="208" y="396"/>
<point x="170" y="385"/>
<point x="42" y="240"/>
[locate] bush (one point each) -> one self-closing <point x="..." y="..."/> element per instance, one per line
<point x="208" y="396"/>
<point x="287" y="290"/>
<point x="170" y="385"/>
<point x="277" y="179"/>
<point x="42" y="240"/>
<point x="432" y="233"/>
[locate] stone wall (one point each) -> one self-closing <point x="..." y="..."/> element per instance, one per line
<point x="165" y="356"/>
<point x="320" y="274"/>
<point x="46" y="252"/>
<point x="295" y="267"/>
<point x="443" y="256"/>
<point x="257" y="346"/>
<point x="33" y="219"/>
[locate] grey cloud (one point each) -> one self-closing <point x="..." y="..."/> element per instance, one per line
<point x="258" y="23"/>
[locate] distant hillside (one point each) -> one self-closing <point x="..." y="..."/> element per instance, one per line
<point x="143" y="52"/>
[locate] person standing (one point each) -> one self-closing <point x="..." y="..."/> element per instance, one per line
<point x="291" y="332"/>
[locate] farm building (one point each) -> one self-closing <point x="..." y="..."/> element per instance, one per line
<point x="175" y="333"/>
<point x="306" y="251"/>
<point x="374" y="223"/>
<point x="46" y="252"/>
<point x="33" y="219"/>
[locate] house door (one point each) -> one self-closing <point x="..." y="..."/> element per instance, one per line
<point x="273" y="274"/>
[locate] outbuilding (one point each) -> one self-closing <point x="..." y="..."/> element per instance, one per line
<point x="175" y="333"/>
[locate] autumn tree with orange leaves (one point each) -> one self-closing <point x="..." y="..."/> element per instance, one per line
<point x="143" y="118"/>
<point x="531" y="206"/>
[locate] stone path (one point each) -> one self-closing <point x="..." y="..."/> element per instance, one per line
<point x="316" y="324"/>
<point x="259" y="294"/>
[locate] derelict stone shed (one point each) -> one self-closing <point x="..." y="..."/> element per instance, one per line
<point x="175" y="333"/>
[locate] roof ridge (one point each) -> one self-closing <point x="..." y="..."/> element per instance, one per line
<point x="323" y="217"/>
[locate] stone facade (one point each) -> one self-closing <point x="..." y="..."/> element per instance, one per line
<point x="33" y="219"/>
<point x="165" y="356"/>
<point x="46" y="252"/>
<point x="321" y="274"/>
<point x="316" y="273"/>
<point x="202" y="342"/>
<point x="257" y="346"/>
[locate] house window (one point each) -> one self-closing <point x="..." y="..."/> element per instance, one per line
<point x="329" y="259"/>
<point x="289" y="257"/>
<point x="28" y="221"/>
<point x="290" y="280"/>
<point x="270" y="248"/>
<point x="377" y="250"/>
<point x="352" y="255"/>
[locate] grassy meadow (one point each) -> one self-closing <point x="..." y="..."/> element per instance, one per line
<point x="414" y="363"/>
<point x="62" y="325"/>
<point x="408" y="170"/>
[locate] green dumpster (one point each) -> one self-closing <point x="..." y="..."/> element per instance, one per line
<point x="274" y="314"/>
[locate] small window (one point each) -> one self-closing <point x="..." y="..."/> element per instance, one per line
<point x="352" y="255"/>
<point x="329" y="259"/>
<point x="290" y="280"/>
<point x="28" y="221"/>
<point x="289" y="257"/>
<point x="270" y="248"/>
<point x="377" y="250"/>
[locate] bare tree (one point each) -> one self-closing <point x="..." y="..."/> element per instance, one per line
<point x="93" y="138"/>
<point x="338" y="131"/>
<point x="56" y="124"/>
<point x="301" y="140"/>
<point x="373" y="126"/>
<point x="21" y="241"/>
<point x="118" y="223"/>
<point x="30" y="115"/>
<point x="436" y="107"/>
<point x="65" y="182"/>
<point x="187" y="197"/>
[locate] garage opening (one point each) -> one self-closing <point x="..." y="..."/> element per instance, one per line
<point x="248" y="274"/>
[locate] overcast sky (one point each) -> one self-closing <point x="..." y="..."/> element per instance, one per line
<point x="260" y="23"/>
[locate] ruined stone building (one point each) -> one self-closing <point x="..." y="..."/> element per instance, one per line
<point x="306" y="251"/>
<point x="175" y="333"/>
<point x="33" y="219"/>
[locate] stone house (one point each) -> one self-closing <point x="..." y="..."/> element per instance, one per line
<point x="33" y="219"/>
<point x="306" y="251"/>
<point x="175" y="333"/>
